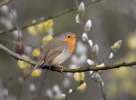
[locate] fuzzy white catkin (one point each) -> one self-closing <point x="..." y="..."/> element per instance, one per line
<point x="90" y="42"/>
<point x="70" y="90"/>
<point x="4" y="9"/>
<point x="110" y="55"/>
<point x="95" y="50"/>
<point x="88" y="25"/>
<point x="81" y="8"/>
<point x="84" y="37"/>
<point x="62" y="96"/>
<point x="66" y="82"/>
<point x="77" y="18"/>
<point x="5" y="92"/>
<point x="90" y="62"/>
<point x="32" y="87"/>
<point x="49" y="93"/>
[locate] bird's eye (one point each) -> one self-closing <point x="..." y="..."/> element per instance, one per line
<point x="68" y="36"/>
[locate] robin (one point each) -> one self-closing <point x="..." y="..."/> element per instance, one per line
<point x="57" y="50"/>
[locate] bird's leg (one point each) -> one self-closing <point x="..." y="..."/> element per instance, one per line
<point x="61" y="67"/>
<point x="50" y="67"/>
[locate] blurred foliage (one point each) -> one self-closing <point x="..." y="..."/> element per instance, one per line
<point x="112" y="20"/>
<point x="124" y="86"/>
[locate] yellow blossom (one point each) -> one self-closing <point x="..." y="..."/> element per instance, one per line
<point x="82" y="87"/>
<point x="46" y="39"/>
<point x="48" y="24"/>
<point x="79" y="76"/>
<point x="101" y="65"/>
<point x="36" y="29"/>
<point x="40" y="28"/>
<point x="116" y="45"/>
<point x="22" y="64"/>
<point x="36" y="52"/>
<point x="36" y="73"/>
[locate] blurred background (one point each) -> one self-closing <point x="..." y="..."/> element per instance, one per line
<point x="112" y="20"/>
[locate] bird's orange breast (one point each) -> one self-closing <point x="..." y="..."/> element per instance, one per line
<point x="71" y="43"/>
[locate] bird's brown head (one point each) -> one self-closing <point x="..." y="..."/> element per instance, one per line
<point x="70" y="38"/>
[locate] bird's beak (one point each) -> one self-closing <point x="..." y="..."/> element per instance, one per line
<point x="77" y="37"/>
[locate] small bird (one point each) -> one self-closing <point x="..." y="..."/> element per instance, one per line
<point x="57" y="50"/>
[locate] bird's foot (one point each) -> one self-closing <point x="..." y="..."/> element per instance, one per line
<point x="62" y="68"/>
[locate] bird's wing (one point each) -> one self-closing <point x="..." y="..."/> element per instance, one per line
<point x="54" y="53"/>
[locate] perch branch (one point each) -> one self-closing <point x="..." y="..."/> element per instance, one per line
<point x="50" y="17"/>
<point x="58" y="69"/>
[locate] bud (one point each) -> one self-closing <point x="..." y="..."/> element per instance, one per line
<point x="95" y="50"/>
<point x="91" y="72"/>
<point x="62" y="96"/>
<point x="82" y="87"/>
<point x="5" y="92"/>
<point x="110" y="55"/>
<point x="88" y="25"/>
<point x="21" y="80"/>
<point x="79" y="76"/>
<point x="36" y="73"/>
<point x="36" y="52"/>
<point x="90" y="62"/>
<point x="116" y="46"/>
<point x="49" y="93"/>
<point x="4" y="9"/>
<point x="72" y="66"/>
<point x="81" y="8"/>
<point x="32" y="87"/>
<point x="97" y="77"/>
<point x="56" y="88"/>
<point x="27" y="50"/>
<point x="66" y="82"/>
<point x="47" y="24"/>
<point x="70" y="90"/>
<point x="77" y="18"/>
<point x="102" y="84"/>
<point x="101" y="65"/>
<point x="90" y="42"/>
<point x="84" y="37"/>
<point x="46" y="39"/>
<point x="22" y="64"/>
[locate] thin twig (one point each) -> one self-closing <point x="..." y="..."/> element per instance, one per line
<point x="42" y="84"/>
<point x="4" y="2"/>
<point x="16" y="42"/>
<point x="50" y="17"/>
<point x="19" y="38"/>
<point x="87" y="79"/>
<point x="20" y="90"/>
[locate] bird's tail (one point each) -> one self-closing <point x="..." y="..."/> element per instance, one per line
<point x="37" y="65"/>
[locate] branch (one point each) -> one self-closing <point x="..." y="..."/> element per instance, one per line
<point x="58" y="69"/>
<point x="4" y="2"/>
<point x="50" y="17"/>
<point x="15" y="55"/>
